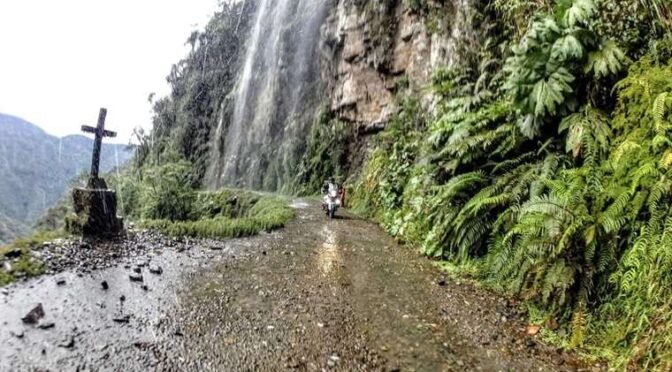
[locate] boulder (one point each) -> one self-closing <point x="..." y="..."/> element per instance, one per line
<point x="95" y="211"/>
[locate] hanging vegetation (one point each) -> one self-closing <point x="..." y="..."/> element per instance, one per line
<point x="549" y="172"/>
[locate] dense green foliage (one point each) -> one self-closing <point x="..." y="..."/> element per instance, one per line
<point x="326" y="154"/>
<point x="545" y="171"/>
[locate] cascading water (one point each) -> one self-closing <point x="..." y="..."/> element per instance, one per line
<point x="275" y="98"/>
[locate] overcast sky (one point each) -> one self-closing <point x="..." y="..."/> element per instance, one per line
<point x="60" y="61"/>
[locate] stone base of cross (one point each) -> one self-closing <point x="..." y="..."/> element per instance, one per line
<point x="95" y="205"/>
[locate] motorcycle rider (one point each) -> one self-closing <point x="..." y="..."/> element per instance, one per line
<point x="329" y="186"/>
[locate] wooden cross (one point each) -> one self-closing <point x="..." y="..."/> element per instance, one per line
<point x="100" y="132"/>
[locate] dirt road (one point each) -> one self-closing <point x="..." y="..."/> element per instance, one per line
<point x="318" y="295"/>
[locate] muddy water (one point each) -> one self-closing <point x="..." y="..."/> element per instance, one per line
<point x="320" y="294"/>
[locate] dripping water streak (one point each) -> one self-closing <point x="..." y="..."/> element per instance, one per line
<point x="270" y="112"/>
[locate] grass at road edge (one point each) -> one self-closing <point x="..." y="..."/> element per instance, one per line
<point x="25" y="264"/>
<point x="267" y="213"/>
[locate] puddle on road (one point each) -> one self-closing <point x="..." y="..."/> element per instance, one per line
<point x="329" y="253"/>
<point x="83" y="310"/>
<point x="299" y="204"/>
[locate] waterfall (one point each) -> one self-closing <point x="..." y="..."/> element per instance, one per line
<point x="274" y="100"/>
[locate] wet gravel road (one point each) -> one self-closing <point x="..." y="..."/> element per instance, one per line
<point x="318" y="295"/>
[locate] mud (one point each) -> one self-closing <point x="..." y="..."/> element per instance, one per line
<point x="319" y="295"/>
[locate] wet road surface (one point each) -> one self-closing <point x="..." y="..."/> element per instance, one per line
<point x="318" y="295"/>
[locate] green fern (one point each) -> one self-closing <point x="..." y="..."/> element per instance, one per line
<point x="605" y="61"/>
<point x="551" y="58"/>
<point x="577" y="12"/>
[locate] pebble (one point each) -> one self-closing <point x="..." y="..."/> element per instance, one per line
<point x="68" y="343"/>
<point x="60" y="281"/>
<point x="135" y="277"/>
<point x="137" y="270"/>
<point x="122" y="319"/>
<point x="34" y="315"/>
<point x="14" y="253"/>
<point x="104" y="285"/>
<point x="4" y="291"/>
<point x="155" y="269"/>
<point x="46" y="325"/>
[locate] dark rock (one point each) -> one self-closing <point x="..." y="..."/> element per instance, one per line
<point x="135" y="277"/>
<point x="60" y="281"/>
<point x="155" y="269"/>
<point x="68" y="343"/>
<point x="145" y="287"/>
<point x="4" y="291"/>
<point x="46" y="325"/>
<point x="178" y="332"/>
<point x="441" y="282"/>
<point x="13" y="253"/>
<point x="216" y="248"/>
<point x="137" y="270"/>
<point x="34" y="315"/>
<point x="104" y="285"/>
<point x="142" y="345"/>
<point x="122" y="319"/>
<point x="122" y="298"/>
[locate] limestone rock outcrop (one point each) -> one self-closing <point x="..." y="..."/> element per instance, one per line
<point x="373" y="49"/>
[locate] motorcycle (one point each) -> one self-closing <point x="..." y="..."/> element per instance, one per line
<point x="331" y="203"/>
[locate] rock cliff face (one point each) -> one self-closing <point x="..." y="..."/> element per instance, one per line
<point x="373" y="49"/>
<point x="352" y="57"/>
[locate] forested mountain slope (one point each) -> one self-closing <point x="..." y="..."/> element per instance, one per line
<point x="525" y="143"/>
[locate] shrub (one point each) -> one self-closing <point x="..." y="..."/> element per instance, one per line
<point x="167" y="192"/>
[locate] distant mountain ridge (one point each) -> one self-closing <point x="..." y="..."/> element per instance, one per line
<point x="36" y="168"/>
